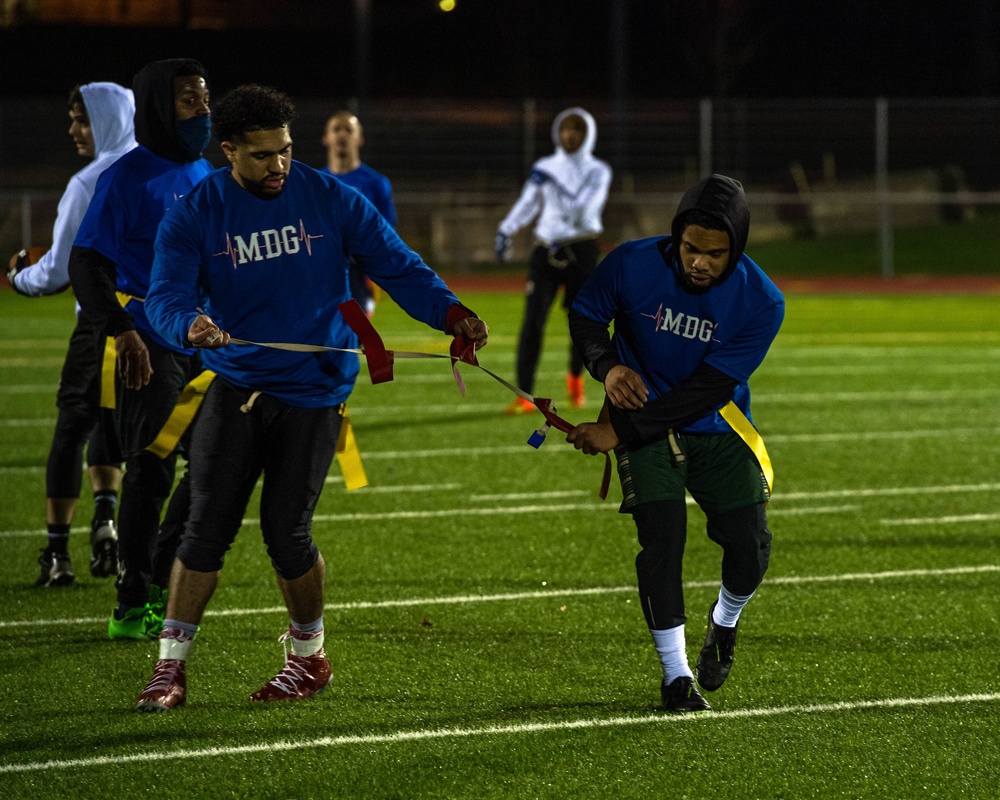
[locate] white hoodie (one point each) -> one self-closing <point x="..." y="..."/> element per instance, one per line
<point x="567" y="192"/>
<point x="111" y="109"/>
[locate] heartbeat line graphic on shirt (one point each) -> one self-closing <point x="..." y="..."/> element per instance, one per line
<point x="229" y="251"/>
<point x="658" y="317"/>
<point x="263" y="245"/>
<point x="307" y="237"/>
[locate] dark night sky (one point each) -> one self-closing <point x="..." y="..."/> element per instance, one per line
<point x="556" y="48"/>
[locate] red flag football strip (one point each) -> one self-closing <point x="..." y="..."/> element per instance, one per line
<point x="379" y="359"/>
<point x="380" y="363"/>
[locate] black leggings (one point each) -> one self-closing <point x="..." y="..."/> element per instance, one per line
<point x="544" y="279"/>
<point x="662" y="529"/>
<point x="64" y="469"/>
<point x="148" y="479"/>
<point x="81" y="421"/>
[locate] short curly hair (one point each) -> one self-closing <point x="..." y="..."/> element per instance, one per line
<point x="251" y="107"/>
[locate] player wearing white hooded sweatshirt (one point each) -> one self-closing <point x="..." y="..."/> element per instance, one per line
<point x="102" y="126"/>
<point x="565" y="194"/>
<point x="110" y="109"/>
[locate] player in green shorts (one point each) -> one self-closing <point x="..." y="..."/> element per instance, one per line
<point x="693" y="318"/>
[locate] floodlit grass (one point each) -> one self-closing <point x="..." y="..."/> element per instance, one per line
<point x="481" y="620"/>
<point x="943" y="249"/>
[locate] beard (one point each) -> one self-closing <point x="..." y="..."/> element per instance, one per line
<point x="691" y="287"/>
<point x="258" y="189"/>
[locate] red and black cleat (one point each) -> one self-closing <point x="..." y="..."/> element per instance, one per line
<point x="166" y="690"/>
<point x="300" y="678"/>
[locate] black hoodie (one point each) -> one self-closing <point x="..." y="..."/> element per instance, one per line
<point x="723" y="199"/>
<point x="153" y="87"/>
<point x="707" y="388"/>
<point x="93" y="274"/>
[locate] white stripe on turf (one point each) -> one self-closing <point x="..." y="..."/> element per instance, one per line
<point x="706" y="718"/>
<point x="790" y="580"/>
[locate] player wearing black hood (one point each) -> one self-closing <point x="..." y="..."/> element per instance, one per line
<point x="694" y="317"/>
<point x="110" y="268"/>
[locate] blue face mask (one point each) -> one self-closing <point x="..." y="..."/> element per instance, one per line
<point x="194" y="134"/>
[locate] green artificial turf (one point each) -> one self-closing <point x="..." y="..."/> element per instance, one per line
<point x="481" y="617"/>
<point x="967" y="248"/>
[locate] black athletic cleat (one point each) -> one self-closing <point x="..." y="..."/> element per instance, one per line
<point x="57" y="570"/>
<point x="716" y="658"/>
<point x="680" y="696"/>
<point x="103" y="548"/>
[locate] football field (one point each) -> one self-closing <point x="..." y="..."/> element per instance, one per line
<point x="481" y="614"/>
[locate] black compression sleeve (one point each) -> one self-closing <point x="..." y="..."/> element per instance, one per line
<point x="592" y="340"/>
<point x="702" y="391"/>
<point x="94" y="282"/>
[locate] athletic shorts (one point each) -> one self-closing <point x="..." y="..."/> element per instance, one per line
<point x="79" y="384"/>
<point x="719" y="470"/>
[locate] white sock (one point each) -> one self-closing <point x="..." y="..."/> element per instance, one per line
<point x="669" y="645"/>
<point x="176" y="638"/>
<point x="727" y="610"/>
<point x="306" y="638"/>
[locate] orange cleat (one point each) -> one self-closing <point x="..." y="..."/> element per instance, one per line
<point x="519" y="406"/>
<point x="574" y="390"/>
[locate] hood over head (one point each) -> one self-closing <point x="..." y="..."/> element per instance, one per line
<point x="111" y="109"/>
<point x="154" y="106"/>
<point x="721" y="198"/>
<point x="587" y="148"/>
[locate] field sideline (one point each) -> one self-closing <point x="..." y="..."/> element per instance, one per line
<point x="480" y="597"/>
<point x="847" y="284"/>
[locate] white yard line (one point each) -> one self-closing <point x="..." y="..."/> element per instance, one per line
<point x="360" y="412"/>
<point x="425" y="734"/>
<point x="952" y="520"/>
<point x="442" y="513"/>
<point x="891" y="491"/>
<point x="776" y="508"/>
<point x="949" y="367"/>
<point x="539" y="594"/>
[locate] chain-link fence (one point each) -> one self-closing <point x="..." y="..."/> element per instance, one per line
<point x="811" y="167"/>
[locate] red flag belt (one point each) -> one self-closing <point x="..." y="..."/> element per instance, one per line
<point x="380" y="362"/>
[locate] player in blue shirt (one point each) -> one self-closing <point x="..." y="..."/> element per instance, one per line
<point x="343" y="139"/>
<point x="693" y="318"/>
<point x="110" y="266"/>
<point x="260" y="250"/>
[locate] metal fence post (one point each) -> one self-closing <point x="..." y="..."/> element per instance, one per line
<point x="705" y="136"/>
<point x="26" y="219"/>
<point x="885" y="234"/>
<point x="529" y="113"/>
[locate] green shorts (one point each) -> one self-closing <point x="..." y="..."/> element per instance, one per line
<point x="719" y="470"/>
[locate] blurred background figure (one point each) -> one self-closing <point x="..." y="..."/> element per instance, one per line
<point x="343" y="139"/>
<point x="565" y="193"/>
<point x="101" y="127"/>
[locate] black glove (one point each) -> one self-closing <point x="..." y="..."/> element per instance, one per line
<point x="18" y="262"/>
<point x="502" y="247"/>
<point x="24" y="259"/>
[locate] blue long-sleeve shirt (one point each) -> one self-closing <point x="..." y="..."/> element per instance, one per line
<point x="275" y="271"/>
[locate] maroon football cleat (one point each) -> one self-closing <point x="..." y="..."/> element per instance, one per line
<point x="167" y="689"/>
<point x="301" y="677"/>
